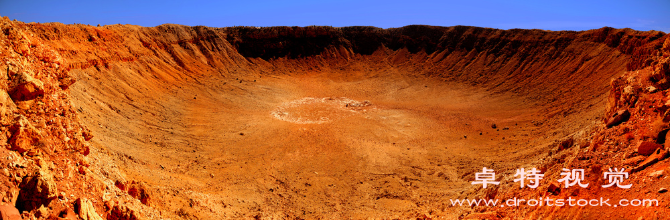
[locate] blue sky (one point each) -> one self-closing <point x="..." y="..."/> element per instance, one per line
<point x="548" y="15"/>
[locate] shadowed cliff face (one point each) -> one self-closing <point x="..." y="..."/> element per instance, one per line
<point x="520" y="60"/>
<point x="309" y="41"/>
<point x="298" y="122"/>
<point x="543" y="65"/>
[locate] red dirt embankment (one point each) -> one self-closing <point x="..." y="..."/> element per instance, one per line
<point x="125" y="122"/>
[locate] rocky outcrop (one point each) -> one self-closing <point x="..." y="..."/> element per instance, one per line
<point x="618" y="118"/>
<point x="24" y="135"/>
<point x="122" y="212"/>
<point x="660" y="76"/>
<point x="86" y="210"/>
<point x="523" y="61"/>
<point x="25" y="87"/>
<point x="647" y="148"/>
<point x="37" y="189"/>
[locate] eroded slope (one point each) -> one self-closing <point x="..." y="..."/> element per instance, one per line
<point x="197" y="122"/>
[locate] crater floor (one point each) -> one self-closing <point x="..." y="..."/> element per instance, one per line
<point x="312" y="145"/>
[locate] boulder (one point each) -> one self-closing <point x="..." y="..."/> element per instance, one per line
<point x="664" y="73"/>
<point x="66" y="81"/>
<point x="629" y="95"/>
<point x="24" y="87"/>
<point x="122" y="212"/>
<point x="9" y="213"/>
<point x="647" y="148"/>
<point x="36" y="189"/>
<point x="658" y="155"/>
<point x="86" y="210"/>
<point x="42" y="212"/>
<point x="618" y="118"/>
<point x="24" y="135"/>
<point x="139" y="191"/>
<point x="660" y="76"/>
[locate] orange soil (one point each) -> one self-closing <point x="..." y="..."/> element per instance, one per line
<point x="323" y="122"/>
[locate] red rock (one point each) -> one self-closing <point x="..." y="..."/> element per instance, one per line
<point x="42" y="212"/>
<point x="9" y="213"/>
<point x="652" y="159"/>
<point x="618" y="118"/>
<point x="121" y="212"/>
<point x="25" y="87"/>
<point x="87" y="135"/>
<point x="66" y="82"/>
<point x="81" y="146"/>
<point x="86" y="210"/>
<point x="647" y="148"/>
<point x="24" y="135"/>
<point x="566" y="144"/>
<point x="120" y="185"/>
<point x="634" y="160"/>
<point x="667" y="143"/>
<point x="37" y="189"/>
<point x="140" y="192"/>
<point x="21" y="142"/>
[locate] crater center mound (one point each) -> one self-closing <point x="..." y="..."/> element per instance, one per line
<point x="310" y="110"/>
